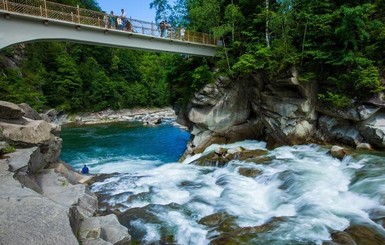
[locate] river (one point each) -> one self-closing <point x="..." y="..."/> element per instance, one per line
<point x="301" y="197"/>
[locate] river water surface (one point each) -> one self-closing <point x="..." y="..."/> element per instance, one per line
<point x="301" y="197"/>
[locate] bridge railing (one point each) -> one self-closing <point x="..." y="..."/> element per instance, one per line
<point x="56" y="11"/>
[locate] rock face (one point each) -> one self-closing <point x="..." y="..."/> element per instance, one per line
<point x="280" y="112"/>
<point x="283" y="111"/>
<point x="23" y="132"/>
<point x="43" y="201"/>
<point x="10" y="111"/>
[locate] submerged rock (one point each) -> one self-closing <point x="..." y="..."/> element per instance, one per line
<point x="222" y="156"/>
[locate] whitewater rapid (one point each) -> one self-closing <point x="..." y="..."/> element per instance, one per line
<point x="313" y="192"/>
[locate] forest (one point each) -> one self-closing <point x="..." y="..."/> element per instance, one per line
<point x="337" y="44"/>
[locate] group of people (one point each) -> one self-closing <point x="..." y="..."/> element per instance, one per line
<point x="164" y="27"/>
<point x="119" y="22"/>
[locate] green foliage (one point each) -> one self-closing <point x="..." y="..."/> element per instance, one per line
<point x="367" y="80"/>
<point x="8" y="149"/>
<point x="335" y="100"/>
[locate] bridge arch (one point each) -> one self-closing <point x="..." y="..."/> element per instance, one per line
<point x="18" y="25"/>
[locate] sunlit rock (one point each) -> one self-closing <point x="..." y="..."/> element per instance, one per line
<point x="373" y="130"/>
<point x="10" y="111"/>
<point x="339" y="152"/>
<point x="29" y="112"/>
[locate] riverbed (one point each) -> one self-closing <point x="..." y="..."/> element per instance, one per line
<point x="302" y="196"/>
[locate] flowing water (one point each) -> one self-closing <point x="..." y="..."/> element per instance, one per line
<point x="300" y="197"/>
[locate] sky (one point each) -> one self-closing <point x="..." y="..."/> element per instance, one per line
<point x="136" y="9"/>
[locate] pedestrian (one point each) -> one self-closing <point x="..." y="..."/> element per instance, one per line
<point x="165" y="29"/>
<point x="85" y="169"/>
<point x="182" y="33"/>
<point x="105" y="21"/>
<point x="112" y="20"/>
<point x="124" y="19"/>
<point x="161" y="27"/>
<point x="120" y="23"/>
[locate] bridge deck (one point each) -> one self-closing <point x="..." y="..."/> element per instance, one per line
<point x="40" y="20"/>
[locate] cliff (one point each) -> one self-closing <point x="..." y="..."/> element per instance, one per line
<point x="284" y="111"/>
<point x="43" y="201"/>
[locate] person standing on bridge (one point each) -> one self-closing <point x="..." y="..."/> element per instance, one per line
<point x="162" y="28"/>
<point x="105" y="21"/>
<point x="124" y="20"/>
<point x="182" y="33"/>
<point x="112" y="20"/>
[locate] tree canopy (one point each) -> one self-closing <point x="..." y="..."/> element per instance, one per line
<point x="336" y="44"/>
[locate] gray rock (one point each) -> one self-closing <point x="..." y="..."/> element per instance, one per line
<point x="59" y="190"/>
<point x="52" y="114"/>
<point x="106" y="228"/>
<point x="26" y="217"/>
<point x="45" y="117"/>
<point x="231" y="110"/>
<point x="33" y="133"/>
<point x="338" y="152"/>
<point x="361" y="113"/>
<point x="29" y="112"/>
<point x="364" y="146"/>
<point x="10" y="110"/>
<point x="339" y="130"/>
<point x="29" y="157"/>
<point x="373" y="130"/>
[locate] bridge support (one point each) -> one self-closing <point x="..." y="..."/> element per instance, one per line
<point x="18" y="28"/>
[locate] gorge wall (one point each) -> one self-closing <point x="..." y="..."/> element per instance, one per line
<point x="281" y="112"/>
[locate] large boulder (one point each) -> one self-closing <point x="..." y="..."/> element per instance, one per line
<point x="232" y="109"/>
<point x="10" y="111"/>
<point x="29" y="112"/>
<point x="29" y="157"/>
<point x="339" y="130"/>
<point x="32" y="133"/>
<point x="373" y="130"/>
<point x="104" y="228"/>
<point x="27" y="217"/>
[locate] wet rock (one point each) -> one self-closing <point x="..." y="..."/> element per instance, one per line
<point x="249" y="172"/>
<point x="339" y="152"/>
<point x="344" y="238"/>
<point x="261" y="159"/>
<point x="10" y="111"/>
<point x="246" y="235"/>
<point x="364" y="146"/>
<point x="222" y="222"/>
<point x="364" y="235"/>
<point x="211" y="159"/>
<point x="248" y="154"/>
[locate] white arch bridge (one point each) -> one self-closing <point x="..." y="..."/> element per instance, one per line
<point x="23" y="21"/>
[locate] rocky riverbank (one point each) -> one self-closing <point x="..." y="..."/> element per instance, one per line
<point x="148" y="116"/>
<point x="284" y="111"/>
<point x="43" y="200"/>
